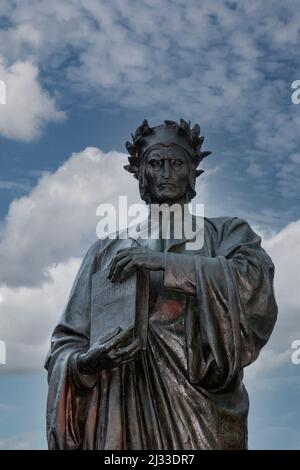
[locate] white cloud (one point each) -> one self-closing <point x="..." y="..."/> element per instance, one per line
<point x="23" y="441"/>
<point x="255" y="170"/>
<point x="295" y="157"/>
<point x="137" y="54"/>
<point x="284" y="249"/>
<point x="7" y="185"/>
<point x="28" y="316"/>
<point x="267" y="362"/>
<point x="28" y="107"/>
<point x="58" y="217"/>
<point x="289" y="179"/>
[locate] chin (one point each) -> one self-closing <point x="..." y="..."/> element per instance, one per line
<point x="167" y="198"/>
<point x="167" y="193"/>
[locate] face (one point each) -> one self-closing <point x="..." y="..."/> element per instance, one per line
<point x="167" y="173"/>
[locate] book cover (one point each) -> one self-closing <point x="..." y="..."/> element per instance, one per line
<point x="124" y="304"/>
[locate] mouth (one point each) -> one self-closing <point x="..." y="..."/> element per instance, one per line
<point x="166" y="186"/>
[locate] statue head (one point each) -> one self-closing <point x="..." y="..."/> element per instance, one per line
<point x="164" y="159"/>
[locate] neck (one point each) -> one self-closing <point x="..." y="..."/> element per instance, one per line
<point x="165" y="216"/>
<point x="182" y="201"/>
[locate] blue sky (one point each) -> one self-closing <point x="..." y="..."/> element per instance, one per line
<point x="80" y="77"/>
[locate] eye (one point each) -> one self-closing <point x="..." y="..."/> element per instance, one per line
<point x="155" y="163"/>
<point x="176" y="163"/>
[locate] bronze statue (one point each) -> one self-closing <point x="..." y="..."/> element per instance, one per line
<point x="211" y="310"/>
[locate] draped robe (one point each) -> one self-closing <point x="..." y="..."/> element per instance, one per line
<point x="211" y="312"/>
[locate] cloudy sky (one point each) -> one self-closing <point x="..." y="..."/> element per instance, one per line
<point x="80" y="76"/>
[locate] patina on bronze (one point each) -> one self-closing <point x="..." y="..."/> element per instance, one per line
<point x="210" y="312"/>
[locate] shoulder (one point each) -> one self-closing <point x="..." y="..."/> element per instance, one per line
<point x="234" y="229"/>
<point x="221" y="224"/>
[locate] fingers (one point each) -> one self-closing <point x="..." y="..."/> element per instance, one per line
<point x="120" y="254"/>
<point x="127" y="271"/>
<point x="126" y="353"/>
<point x="123" y="336"/>
<point x="109" y="355"/>
<point x="118" y="268"/>
<point x="118" y="262"/>
<point x="131" y="249"/>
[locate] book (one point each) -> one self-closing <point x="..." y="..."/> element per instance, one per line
<point x="115" y="304"/>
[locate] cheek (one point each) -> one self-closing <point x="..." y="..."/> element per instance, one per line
<point x="150" y="176"/>
<point x="151" y="179"/>
<point x="184" y="178"/>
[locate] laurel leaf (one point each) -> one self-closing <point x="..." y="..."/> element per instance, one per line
<point x="205" y="154"/>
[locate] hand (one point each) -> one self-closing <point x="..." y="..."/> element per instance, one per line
<point x="127" y="260"/>
<point x="109" y="354"/>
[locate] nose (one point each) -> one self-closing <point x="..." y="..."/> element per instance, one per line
<point x="166" y="169"/>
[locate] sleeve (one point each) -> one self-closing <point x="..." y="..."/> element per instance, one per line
<point x="236" y="308"/>
<point x="70" y="392"/>
<point x="180" y="273"/>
